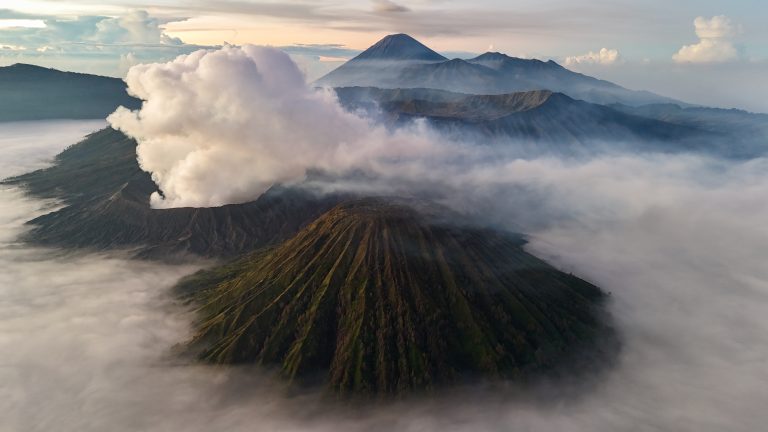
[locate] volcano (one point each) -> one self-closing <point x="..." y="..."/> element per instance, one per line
<point x="106" y="206"/>
<point x="375" y="298"/>
<point x="399" y="47"/>
<point x="399" y="61"/>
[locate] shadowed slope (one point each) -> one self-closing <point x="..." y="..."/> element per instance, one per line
<point x="373" y="300"/>
<point x="554" y="121"/>
<point x="409" y="64"/>
<point x="30" y="92"/>
<point x="399" y="47"/>
<point x="107" y="206"/>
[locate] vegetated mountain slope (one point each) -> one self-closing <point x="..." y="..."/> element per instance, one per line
<point x="532" y="74"/>
<point x="453" y="75"/>
<point x="475" y="108"/>
<point x="747" y="133"/>
<point x="35" y="93"/>
<point x="374" y="298"/>
<point x="489" y="73"/>
<point x="552" y="121"/>
<point x="439" y="103"/>
<point x="106" y="197"/>
<point x="558" y="118"/>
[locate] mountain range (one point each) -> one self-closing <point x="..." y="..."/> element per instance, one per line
<point x="490" y="98"/>
<point x="399" y="61"/>
<point x="546" y="122"/>
<point x="375" y="296"/>
<point x="30" y="92"/>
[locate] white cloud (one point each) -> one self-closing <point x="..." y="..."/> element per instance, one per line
<point x="603" y="57"/>
<point x="715" y="42"/>
<point x="132" y="28"/>
<point x="11" y="48"/>
<point x="127" y="61"/>
<point x="91" y="42"/>
<point x="21" y="23"/>
<point x="135" y="27"/>
<point x="716" y="27"/>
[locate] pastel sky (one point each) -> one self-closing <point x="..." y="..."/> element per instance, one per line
<point x="704" y="51"/>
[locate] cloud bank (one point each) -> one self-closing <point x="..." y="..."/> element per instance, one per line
<point x="92" y="42"/>
<point x="135" y="28"/>
<point x="715" y="42"/>
<point x="603" y="57"/>
<point x="28" y="146"/>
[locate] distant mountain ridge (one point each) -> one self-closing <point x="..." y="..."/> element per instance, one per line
<point x="490" y="73"/>
<point x="558" y="124"/>
<point x="30" y="92"/>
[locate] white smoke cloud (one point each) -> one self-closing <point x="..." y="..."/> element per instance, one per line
<point x="715" y="42"/>
<point x="603" y="57"/>
<point x="680" y="241"/>
<point x="220" y="127"/>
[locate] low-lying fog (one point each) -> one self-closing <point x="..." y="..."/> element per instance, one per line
<point x="681" y="242"/>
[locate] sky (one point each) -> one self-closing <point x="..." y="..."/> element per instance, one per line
<point x="708" y="52"/>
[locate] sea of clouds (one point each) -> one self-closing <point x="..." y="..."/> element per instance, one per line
<point x="680" y="241"/>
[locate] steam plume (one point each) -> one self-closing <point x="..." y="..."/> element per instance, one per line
<point x="220" y="127"/>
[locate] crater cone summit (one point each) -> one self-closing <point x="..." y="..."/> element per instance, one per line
<point x="399" y="47"/>
<point x="373" y="298"/>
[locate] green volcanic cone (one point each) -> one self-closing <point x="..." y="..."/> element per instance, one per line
<point x="372" y="299"/>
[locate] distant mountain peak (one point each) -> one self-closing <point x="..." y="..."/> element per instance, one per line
<point x="32" y="68"/>
<point x="400" y="61"/>
<point x="399" y="47"/>
<point x="455" y="61"/>
<point x="497" y="60"/>
<point x="555" y="64"/>
<point x="492" y="55"/>
<point x="27" y="66"/>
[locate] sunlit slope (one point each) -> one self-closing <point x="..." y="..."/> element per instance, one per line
<point x="372" y="299"/>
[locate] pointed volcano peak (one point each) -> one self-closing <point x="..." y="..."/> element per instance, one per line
<point x="399" y="47"/>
